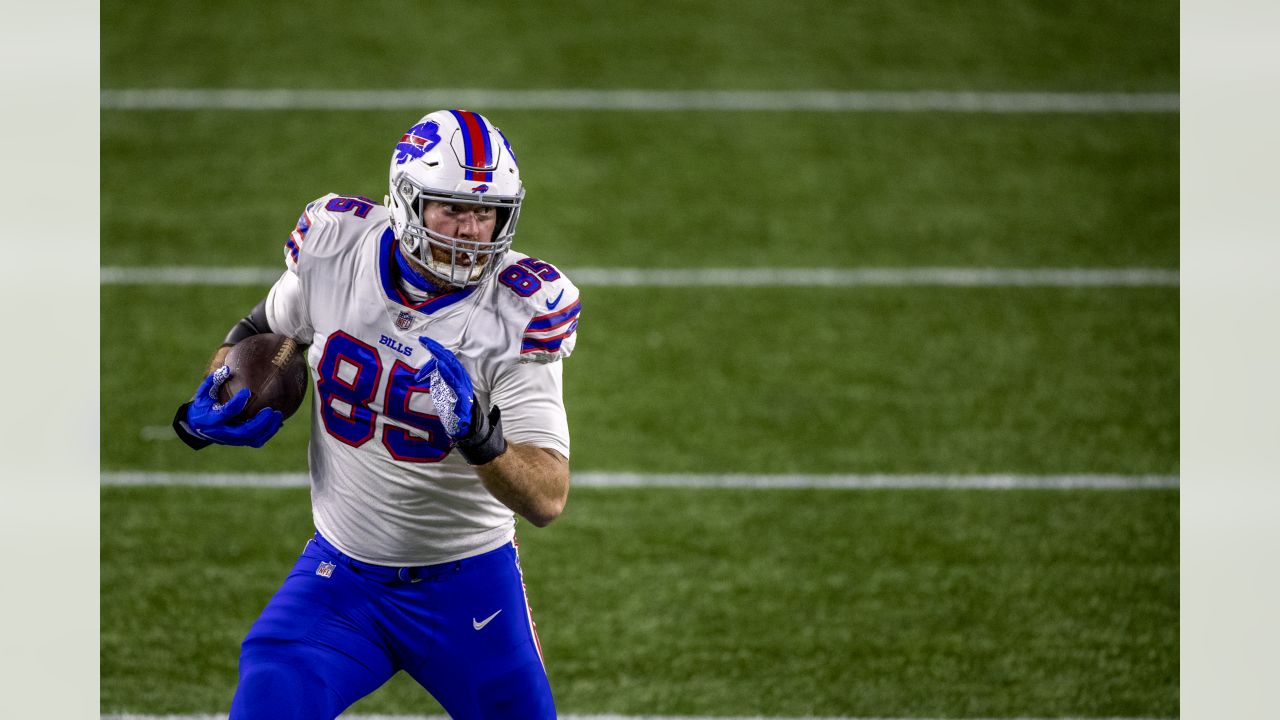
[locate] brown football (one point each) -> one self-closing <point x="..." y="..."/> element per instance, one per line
<point x="273" y="367"/>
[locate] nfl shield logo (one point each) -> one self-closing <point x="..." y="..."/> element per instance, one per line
<point x="404" y="320"/>
<point x="325" y="569"/>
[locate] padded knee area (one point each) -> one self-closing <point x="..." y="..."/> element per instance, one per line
<point x="281" y="690"/>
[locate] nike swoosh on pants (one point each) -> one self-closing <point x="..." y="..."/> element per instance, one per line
<point x="480" y="624"/>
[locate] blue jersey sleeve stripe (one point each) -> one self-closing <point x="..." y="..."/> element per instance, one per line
<point x="554" y="320"/>
<point x="294" y="243"/>
<point x="551" y="344"/>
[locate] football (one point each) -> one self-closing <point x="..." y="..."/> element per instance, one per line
<point x="273" y="367"/>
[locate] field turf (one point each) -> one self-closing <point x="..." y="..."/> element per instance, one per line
<point x="610" y="189"/>
<point x="667" y="44"/>
<point x="899" y="380"/>
<point x="884" y="603"/>
<point x="887" y="603"/>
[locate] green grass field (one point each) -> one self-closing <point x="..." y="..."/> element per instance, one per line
<point x="900" y="379"/>
<point x="887" y="603"/>
<point x="751" y="190"/>
<point x="911" y="44"/>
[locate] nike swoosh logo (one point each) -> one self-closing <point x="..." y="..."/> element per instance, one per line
<point x="480" y="625"/>
<point x="551" y="304"/>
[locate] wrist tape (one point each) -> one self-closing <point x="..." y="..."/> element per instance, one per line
<point x="188" y="435"/>
<point x="485" y="442"/>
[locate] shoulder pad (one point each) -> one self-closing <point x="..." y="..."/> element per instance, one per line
<point x="328" y="210"/>
<point x="553" y="304"/>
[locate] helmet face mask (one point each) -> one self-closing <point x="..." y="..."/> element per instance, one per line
<point x="458" y="158"/>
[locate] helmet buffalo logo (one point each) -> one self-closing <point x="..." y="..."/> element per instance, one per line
<point x="482" y="188"/>
<point x="417" y="142"/>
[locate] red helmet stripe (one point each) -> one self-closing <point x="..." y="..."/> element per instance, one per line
<point x="475" y="143"/>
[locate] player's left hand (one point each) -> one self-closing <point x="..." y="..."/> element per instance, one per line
<point x="451" y="388"/>
<point x="477" y="436"/>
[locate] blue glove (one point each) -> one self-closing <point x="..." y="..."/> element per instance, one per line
<point x="210" y="420"/>
<point x="451" y="389"/>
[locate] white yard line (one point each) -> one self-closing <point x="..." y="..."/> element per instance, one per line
<point x="223" y="716"/>
<point x="639" y="100"/>
<point x="722" y="277"/>
<point x="747" y="481"/>
<point x="189" y="275"/>
<point x="854" y="277"/>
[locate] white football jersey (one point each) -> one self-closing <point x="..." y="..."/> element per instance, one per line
<point x="385" y="487"/>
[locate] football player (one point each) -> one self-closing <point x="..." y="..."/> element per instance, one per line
<point x="435" y="356"/>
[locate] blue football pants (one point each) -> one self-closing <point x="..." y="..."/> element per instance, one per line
<point x="339" y="628"/>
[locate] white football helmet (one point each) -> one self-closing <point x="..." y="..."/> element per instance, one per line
<point x="454" y="156"/>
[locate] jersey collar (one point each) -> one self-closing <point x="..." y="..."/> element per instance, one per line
<point x="389" y="273"/>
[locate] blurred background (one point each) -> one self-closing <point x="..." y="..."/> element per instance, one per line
<point x="893" y="602"/>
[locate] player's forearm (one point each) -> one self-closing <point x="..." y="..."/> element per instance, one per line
<point x="254" y="323"/>
<point x="532" y="481"/>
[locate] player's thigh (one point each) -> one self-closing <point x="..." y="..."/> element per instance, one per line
<point x="315" y="644"/>
<point x="486" y="662"/>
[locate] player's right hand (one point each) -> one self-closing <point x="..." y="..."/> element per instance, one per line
<point x="214" y="421"/>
